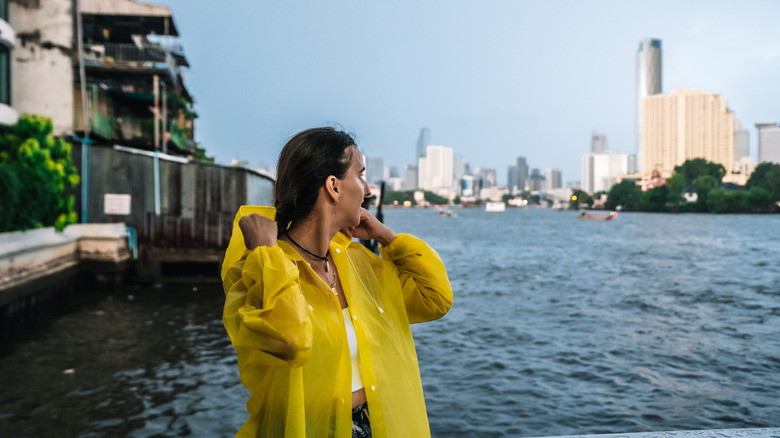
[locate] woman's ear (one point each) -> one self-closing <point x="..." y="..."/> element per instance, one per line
<point x="332" y="186"/>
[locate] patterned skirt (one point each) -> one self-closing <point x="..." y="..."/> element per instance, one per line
<point x="360" y="425"/>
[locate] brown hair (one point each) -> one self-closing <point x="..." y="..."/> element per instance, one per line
<point x="307" y="159"/>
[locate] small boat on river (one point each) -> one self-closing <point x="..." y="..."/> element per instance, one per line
<point x="598" y="217"/>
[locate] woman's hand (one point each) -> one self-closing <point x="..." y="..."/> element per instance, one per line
<point x="258" y="231"/>
<point x="370" y="228"/>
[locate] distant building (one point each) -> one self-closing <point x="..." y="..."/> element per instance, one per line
<point x="683" y="125"/>
<point x="741" y="144"/>
<point x="768" y="142"/>
<point x="8" y="115"/>
<point x="535" y="181"/>
<point x="423" y="141"/>
<point x="485" y="178"/>
<point x="467" y="186"/>
<point x="601" y="171"/>
<point x="410" y="178"/>
<point x="598" y="143"/>
<point x="435" y="170"/>
<point x="375" y="170"/>
<point x="511" y="180"/>
<point x="553" y="179"/>
<point x="391" y="172"/>
<point x="520" y="177"/>
<point x="460" y="166"/>
<point x="648" y="83"/>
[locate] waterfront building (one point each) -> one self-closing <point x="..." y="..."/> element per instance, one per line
<point x="375" y="170"/>
<point x="485" y="178"/>
<point x="648" y="83"/>
<point x="741" y="144"/>
<point x="132" y="92"/>
<point x="410" y="178"/>
<point x="598" y="143"/>
<point x="768" y="142"/>
<point x="686" y="124"/>
<point x="553" y="179"/>
<point x="423" y="141"/>
<point x="601" y="171"/>
<point x="467" y="185"/>
<point x="536" y="181"/>
<point x="435" y="170"/>
<point x="511" y="180"/>
<point x="8" y="115"/>
<point x="522" y="173"/>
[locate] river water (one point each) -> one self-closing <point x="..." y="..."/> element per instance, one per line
<point x="648" y="322"/>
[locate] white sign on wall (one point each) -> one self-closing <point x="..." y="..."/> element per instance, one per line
<point x="116" y="204"/>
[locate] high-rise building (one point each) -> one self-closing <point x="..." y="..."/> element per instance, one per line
<point x="648" y="82"/>
<point x="600" y="171"/>
<point x="768" y="142"/>
<point x="423" y="141"/>
<point x="435" y="170"/>
<point x="522" y="173"/>
<point x="460" y="166"/>
<point x="598" y="143"/>
<point x="683" y="125"/>
<point x="536" y="181"/>
<point x="741" y="144"/>
<point x="553" y="179"/>
<point x="375" y="170"/>
<point x="410" y="178"/>
<point x="511" y="180"/>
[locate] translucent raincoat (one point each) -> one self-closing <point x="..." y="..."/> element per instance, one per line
<point x="288" y="330"/>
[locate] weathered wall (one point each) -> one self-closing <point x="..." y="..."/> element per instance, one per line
<point x="42" y="67"/>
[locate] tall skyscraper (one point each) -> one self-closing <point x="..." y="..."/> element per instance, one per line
<point x="686" y="124"/>
<point x="410" y="178"/>
<point x="600" y="171"/>
<point x="598" y="143"/>
<point x="375" y="170"/>
<point x="648" y="82"/>
<point x="522" y="173"/>
<point x="741" y="144"/>
<point x="511" y="180"/>
<point x="435" y="170"/>
<point x="536" y="181"/>
<point x="768" y="142"/>
<point x="423" y="141"/>
<point x="553" y="178"/>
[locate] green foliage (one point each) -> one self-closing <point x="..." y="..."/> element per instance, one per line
<point x="767" y="176"/>
<point x="692" y="169"/>
<point x="625" y="194"/>
<point x="654" y="199"/>
<point x="676" y="185"/>
<point x="200" y="155"/>
<point x="433" y="198"/>
<point x="728" y="201"/>
<point x="578" y="198"/>
<point x="391" y="196"/>
<point x="37" y="171"/>
<point x="702" y="185"/>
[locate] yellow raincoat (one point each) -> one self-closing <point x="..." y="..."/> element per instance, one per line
<point x="289" y="334"/>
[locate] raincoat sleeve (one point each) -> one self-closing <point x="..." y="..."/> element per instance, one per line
<point x="265" y="311"/>
<point x="426" y="287"/>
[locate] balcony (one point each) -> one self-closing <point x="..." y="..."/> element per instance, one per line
<point x="131" y="57"/>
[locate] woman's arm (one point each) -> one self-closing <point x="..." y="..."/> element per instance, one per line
<point x="264" y="308"/>
<point x="426" y="287"/>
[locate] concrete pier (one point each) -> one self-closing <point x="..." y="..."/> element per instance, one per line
<point x="39" y="268"/>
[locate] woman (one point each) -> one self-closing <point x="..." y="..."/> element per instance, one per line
<point x="320" y="324"/>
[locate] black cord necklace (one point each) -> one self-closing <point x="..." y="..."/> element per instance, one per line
<point x="323" y="259"/>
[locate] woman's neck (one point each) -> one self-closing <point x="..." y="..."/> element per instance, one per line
<point x="313" y="235"/>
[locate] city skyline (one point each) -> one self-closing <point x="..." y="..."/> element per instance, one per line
<point x="533" y="79"/>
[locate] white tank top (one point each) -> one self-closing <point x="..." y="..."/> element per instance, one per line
<point x="357" y="381"/>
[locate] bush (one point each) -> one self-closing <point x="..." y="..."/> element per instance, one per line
<point x="36" y="172"/>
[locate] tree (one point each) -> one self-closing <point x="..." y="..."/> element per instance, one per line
<point x="702" y="185"/>
<point x="767" y="176"/>
<point x="692" y="169"/>
<point x="625" y="194"/>
<point x="37" y="171"/>
<point x="654" y="199"/>
<point x="578" y="198"/>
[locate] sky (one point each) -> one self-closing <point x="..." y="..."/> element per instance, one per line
<point x="492" y="79"/>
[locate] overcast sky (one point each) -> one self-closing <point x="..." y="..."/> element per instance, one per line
<point x="492" y="79"/>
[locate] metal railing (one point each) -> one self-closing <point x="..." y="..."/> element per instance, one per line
<point x="128" y="55"/>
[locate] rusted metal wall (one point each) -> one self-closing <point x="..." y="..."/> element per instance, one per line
<point x="198" y="201"/>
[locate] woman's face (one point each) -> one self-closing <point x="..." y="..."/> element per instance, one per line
<point x="355" y="187"/>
